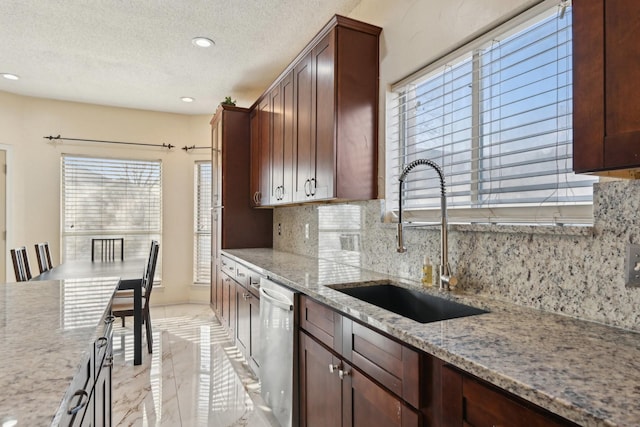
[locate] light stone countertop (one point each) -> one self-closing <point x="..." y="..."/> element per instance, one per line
<point x="584" y="371"/>
<point x="47" y="329"/>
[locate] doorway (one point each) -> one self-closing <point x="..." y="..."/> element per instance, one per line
<point x="3" y="215"/>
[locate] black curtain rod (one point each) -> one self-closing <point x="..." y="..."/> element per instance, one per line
<point x="60" y="138"/>
<point x="193" y="147"/>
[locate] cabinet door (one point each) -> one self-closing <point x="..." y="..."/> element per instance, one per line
<point x="256" y="164"/>
<point x="243" y="327"/>
<point x="277" y="145"/>
<point x="322" y="178"/>
<point x="320" y="390"/>
<point x="283" y="136"/>
<point x="368" y="404"/>
<point x="255" y="332"/>
<point x="102" y="396"/>
<point x="304" y="137"/>
<point x="606" y="57"/>
<point x="233" y="307"/>
<point x="216" y="217"/>
<point x="264" y="119"/>
<point x="315" y="126"/>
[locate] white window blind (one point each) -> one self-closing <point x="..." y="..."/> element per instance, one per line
<point x="202" y="224"/>
<point x="110" y="198"/>
<point x="496" y="115"/>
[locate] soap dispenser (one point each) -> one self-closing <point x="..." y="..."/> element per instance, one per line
<point x="427" y="273"/>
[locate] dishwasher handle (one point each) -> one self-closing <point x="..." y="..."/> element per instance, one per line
<point x="276" y="298"/>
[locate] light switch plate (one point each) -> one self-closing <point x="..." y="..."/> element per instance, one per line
<point x="632" y="266"/>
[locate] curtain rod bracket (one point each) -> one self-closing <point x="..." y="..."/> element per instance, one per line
<point x="193" y="147"/>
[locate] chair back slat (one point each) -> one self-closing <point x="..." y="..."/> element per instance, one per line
<point x="150" y="268"/>
<point x="44" y="257"/>
<point x="21" y="264"/>
<point x="107" y="248"/>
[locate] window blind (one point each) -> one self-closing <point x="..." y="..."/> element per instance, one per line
<point x="497" y="117"/>
<point x="110" y="198"/>
<point x="202" y="224"/>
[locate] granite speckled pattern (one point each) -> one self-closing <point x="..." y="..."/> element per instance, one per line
<point x="47" y="330"/>
<point x="576" y="271"/>
<point x="584" y="371"/>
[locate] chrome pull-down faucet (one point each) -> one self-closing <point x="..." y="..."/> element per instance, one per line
<point x="446" y="278"/>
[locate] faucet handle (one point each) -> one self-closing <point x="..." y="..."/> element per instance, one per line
<point x="447" y="281"/>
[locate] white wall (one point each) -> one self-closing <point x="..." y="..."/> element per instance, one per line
<point x="34" y="204"/>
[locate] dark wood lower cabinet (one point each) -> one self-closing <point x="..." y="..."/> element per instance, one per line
<point x="248" y="325"/>
<point x="368" y="404"/>
<point x="320" y="390"/>
<point x="353" y="375"/>
<point x="470" y="402"/>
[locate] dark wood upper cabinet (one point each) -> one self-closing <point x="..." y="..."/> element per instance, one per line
<point x="606" y="90"/>
<point x="324" y="119"/>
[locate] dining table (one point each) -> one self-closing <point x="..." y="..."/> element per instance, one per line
<point x="122" y="269"/>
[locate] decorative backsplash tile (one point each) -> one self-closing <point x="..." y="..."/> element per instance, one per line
<point x="577" y="271"/>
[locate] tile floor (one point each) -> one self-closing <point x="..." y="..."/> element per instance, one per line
<point x="195" y="376"/>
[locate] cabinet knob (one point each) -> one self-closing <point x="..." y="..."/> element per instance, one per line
<point x="343" y="374"/>
<point x="333" y="367"/>
<point x="246" y="296"/>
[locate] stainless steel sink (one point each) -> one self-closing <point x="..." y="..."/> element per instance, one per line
<point x="418" y="306"/>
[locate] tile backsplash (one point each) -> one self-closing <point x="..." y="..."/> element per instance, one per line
<point x="577" y="271"/>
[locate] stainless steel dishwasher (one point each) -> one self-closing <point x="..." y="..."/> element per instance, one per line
<point x="279" y="351"/>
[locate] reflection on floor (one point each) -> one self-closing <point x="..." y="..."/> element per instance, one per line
<point x="195" y="376"/>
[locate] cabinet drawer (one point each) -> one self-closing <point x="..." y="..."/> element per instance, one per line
<point x="395" y="366"/>
<point x="486" y="406"/>
<point x="242" y="275"/>
<point x="248" y="278"/>
<point x="228" y="266"/>
<point x="322" y="322"/>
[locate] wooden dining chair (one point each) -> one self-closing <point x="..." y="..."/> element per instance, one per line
<point x="107" y="248"/>
<point x="44" y="257"/>
<point x="21" y="264"/>
<point x="122" y="305"/>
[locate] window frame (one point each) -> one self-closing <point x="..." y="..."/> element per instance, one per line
<point x="560" y="214"/>
<point x="155" y="234"/>
<point x="198" y="233"/>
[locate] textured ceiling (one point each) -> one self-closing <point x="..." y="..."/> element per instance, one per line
<point x="138" y="54"/>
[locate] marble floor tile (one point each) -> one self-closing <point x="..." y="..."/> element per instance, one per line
<point x="195" y="376"/>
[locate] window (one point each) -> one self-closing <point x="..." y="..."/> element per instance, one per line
<point x="202" y="224"/>
<point x="496" y="115"/>
<point x="110" y="198"/>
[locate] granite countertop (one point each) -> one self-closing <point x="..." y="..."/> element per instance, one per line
<point x="46" y="333"/>
<point x="584" y="371"/>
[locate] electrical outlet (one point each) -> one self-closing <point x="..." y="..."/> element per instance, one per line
<point x="632" y="266"/>
<point x="306" y="231"/>
<point x="279" y="229"/>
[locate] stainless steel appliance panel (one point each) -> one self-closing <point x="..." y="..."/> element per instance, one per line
<point x="278" y="351"/>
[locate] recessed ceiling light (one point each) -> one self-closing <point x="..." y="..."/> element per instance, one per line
<point x="202" y="42"/>
<point x="187" y="99"/>
<point x="10" y="76"/>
